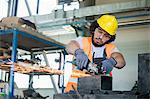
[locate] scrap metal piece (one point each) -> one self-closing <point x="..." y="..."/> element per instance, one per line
<point x="94" y="84"/>
<point x="144" y="73"/>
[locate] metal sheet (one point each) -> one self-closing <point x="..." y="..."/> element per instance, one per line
<point x="94" y="84"/>
<point x="95" y="96"/>
<point x="144" y="73"/>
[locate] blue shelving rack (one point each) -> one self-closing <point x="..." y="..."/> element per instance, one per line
<point x="26" y="41"/>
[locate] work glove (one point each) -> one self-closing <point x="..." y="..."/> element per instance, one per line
<point x="81" y="59"/>
<point x="108" y="64"/>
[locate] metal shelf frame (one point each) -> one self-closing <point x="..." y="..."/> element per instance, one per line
<point x="15" y="35"/>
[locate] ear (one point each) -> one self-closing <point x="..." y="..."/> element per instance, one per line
<point x="111" y="39"/>
<point x="92" y="33"/>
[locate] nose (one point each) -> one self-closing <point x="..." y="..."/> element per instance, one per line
<point x="101" y="35"/>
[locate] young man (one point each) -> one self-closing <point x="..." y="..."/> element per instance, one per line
<point x="97" y="49"/>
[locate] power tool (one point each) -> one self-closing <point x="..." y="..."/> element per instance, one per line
<point x="92" y="68"/>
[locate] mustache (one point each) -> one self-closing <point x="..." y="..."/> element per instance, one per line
<point x="95" y="44"/>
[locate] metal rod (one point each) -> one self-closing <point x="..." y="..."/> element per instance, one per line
<point x="9" y="8"/>
<point x="15" y="8"/>
<point x="13" y="58"/>
<point x="59" y="77"/>
<point x="63" y="88"/>
<point x="32" y="74"/>
<point x="37" y="8"/>
<point x="30" y="81"/>
<point x="28" y="7"/>
<point x="45" y="58"/>
<point x="52" y="79"/>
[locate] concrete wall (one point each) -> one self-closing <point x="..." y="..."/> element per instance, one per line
<point x="131" y="42"/>
<point x="64" y="38"/>
<point x="86" y="3"/>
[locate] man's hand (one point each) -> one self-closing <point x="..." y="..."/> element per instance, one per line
<point x="81" y="59"/>
<point x="108" y="64"/>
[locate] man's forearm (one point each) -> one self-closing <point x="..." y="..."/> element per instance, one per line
<point x="72" y="46"/>
<point x="119" y="59"/>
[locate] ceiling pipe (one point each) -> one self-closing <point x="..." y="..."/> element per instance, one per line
<point x="42" y="26"/>
<point x="37" y="8"/>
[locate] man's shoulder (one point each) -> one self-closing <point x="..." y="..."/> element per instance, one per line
<point x="112" y="47"/>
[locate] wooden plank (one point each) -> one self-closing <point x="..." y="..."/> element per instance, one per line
<point x="40" y="69"/>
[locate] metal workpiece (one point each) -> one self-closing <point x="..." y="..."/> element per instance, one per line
<point x="94" y="84"/>
<point x="51" y="77"/>
<point x="107" y="95"/>
<point x="144" y="73"/>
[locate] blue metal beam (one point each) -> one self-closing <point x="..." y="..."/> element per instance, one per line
<point x="3" y="32"/>
<point x="13" y="58"/>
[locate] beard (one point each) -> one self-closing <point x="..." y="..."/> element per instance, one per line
<point x="95" y="44"/>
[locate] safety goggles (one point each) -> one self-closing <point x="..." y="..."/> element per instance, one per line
<point x="103" y="34"/>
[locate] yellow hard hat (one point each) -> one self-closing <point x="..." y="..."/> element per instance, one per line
<point x="108" y="23"/>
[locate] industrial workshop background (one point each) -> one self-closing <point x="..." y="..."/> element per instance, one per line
<point x="34" y="34"/>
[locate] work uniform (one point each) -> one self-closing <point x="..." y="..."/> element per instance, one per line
<point x="93" y="53"/>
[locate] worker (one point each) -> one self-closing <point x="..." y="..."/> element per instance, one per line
<point x="98" y="49"/>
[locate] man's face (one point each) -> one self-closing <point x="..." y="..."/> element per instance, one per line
<point x="100" y="37"/>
